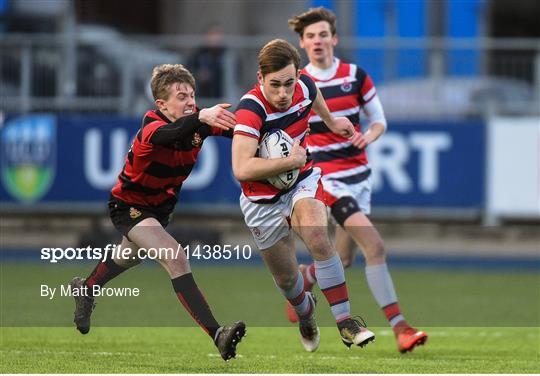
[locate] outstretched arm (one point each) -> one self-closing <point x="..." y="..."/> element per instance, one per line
<point x="186" y="126"/>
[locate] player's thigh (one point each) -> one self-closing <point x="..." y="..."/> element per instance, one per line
<point x="266" y="222"/>
<point x="281" y="262"/>
<point x="309" y="220"/>
<point x="150" y="234"/>
<point x="129" y="255"/>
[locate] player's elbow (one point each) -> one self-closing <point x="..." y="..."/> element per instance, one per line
<point x="240" y="173"/>
<point x="241" y="177"/>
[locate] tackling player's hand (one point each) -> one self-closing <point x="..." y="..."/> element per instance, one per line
<point x="298" y="155"/>
<point x="218" y="116"/>
<point x="342" y="126"/>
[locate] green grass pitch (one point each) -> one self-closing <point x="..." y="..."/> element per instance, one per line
<point x="477" y="323"/>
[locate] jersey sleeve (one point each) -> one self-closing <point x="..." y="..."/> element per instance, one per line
<point x="366" y="86"/>
<point x="169" y="134"/>
<point x="249" y="118"/>
<point x="149" y="127"/>
<point x="310" y="87"/>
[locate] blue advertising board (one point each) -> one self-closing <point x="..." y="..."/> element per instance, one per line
<point x="49" y="159"/>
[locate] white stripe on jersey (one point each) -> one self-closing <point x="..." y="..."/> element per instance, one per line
<point x="257" y="198"/>
<point x="305" y="89"/>
<point x="330" y="147"/>
<point x="296" y="107"/>
<point x="347" y="112"/>
<point x="352" y="70"/>
<point x="246" y="129"/>
<point x="253" y="97"/>
<point x="345" y="173"/>
<point x="335" y="82"/>
<point x="369" y="94"/>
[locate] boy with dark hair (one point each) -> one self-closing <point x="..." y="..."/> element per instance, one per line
<point x="345" y="169"/>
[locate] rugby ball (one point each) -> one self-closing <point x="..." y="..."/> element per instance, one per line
<point x="278" y="144"/>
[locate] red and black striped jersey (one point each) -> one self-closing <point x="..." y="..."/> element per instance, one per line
<point x="346" y="88"/>
<point x="255" y="116"/>
<point x="161" y="157"/>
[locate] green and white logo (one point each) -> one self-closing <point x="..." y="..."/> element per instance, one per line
<point x="28" y="156"/>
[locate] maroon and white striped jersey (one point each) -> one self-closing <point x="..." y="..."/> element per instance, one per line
<point x="255" y="116"/>
<point x="346" y="89"/>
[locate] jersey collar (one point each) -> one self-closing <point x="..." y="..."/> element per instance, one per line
<point x="323" y="74"/>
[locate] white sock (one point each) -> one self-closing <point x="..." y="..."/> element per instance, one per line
<point x="381" y="286"/>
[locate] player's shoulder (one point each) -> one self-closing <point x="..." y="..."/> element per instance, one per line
<point x="353" y="70"/>
<point x="305" y="78"/>
<point x="151" y="115"/>
<point x="307" y="85"/>
<point x="253" y="101"/>
<point x="154" y="117"/>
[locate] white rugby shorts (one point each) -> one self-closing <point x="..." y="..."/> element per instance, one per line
<point x="361" y="192"/>
<point x="269" y="223"/>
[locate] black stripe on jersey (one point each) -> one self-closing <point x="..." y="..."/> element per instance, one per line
<point x="360" y="78"/>
<point x="312" y="89"/>
<point x="336" y="91"/>
<point x="165" y="118"/>
<point x="251" y="105"/>
<point x="160" y="170"/>
<point x="360" y="75"/>
<point x="355" y="179"/>
<point x="128" y="185"/>
<point x="130" y="157"/>
<point x="148" y="120"/>
<point x="320" y="126"/>
<point x="286" y="121"/>
<point x="327" y="156"/>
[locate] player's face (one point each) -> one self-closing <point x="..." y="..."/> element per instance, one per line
<point x="278" y="87"/>
<point x="318" y="42"/>
<point x="181" y="101"/>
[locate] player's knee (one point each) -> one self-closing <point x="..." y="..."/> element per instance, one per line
<point x="128" y="263"/>
<point x="375" y="251"/>
<point x="319" y="243"/>
<point x="347" y="260"/>
<point x="175" y="263"/>
<point x="286" y="281"/>
<point x="343" y="208"/>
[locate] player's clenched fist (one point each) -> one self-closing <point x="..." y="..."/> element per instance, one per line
<point x="361" y="140"/>
<point x="342" y="126"/>
<point x="218" y="116"/>
<point x="298" y="155"/>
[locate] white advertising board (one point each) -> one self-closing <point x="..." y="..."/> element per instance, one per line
<point x="513" y="162"/>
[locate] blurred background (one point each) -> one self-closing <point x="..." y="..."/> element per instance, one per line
<point x="456" y="177"/>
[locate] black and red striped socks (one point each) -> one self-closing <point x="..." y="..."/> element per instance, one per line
<point x="194" y="302"/>
<point x="103" y="273"/>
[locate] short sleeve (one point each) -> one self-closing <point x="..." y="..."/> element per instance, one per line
<point x="249" y="118"/>
<point x="366" y="86"/>
<point x="310" y="86"/>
